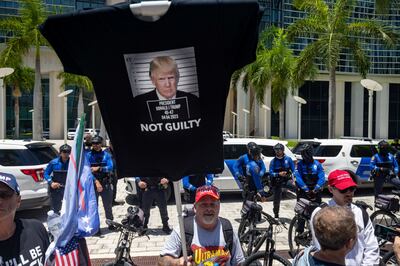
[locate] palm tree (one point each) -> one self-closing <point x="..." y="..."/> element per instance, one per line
<point x="25" y="35"/>
<point x="21" y="80"/>
<point x="331" y="31"/>
<point x="274" y="66"/>
<point x="80" y="82"/>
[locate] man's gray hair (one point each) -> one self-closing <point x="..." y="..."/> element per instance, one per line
<point x="334" y="226"/>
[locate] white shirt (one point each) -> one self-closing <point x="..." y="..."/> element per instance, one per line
<point x="366" y="251"/>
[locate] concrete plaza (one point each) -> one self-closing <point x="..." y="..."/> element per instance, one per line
<point x="150" y="246"/>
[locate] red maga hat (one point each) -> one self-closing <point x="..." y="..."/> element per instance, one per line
<point x="341" y="180"/>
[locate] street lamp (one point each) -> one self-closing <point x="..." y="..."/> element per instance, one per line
<point x="234" y="117"/>
<point x="371" y="86"/>
<point x="300" y="101"/>
<point x="33" y="116"/>
<point x="5" y="71"/>
<point x="266" y="108"/>
<point x="65" y="94"/>
<point x="246" y="112"/>
<point x="92" y="104"/>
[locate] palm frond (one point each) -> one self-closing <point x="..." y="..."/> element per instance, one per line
<point x="307" y="27"/>
<point x="360" y="58"/>
<point x="11" y="25"/>
<point x="312" y="7"/>
<point x="373" y="29"/>
<point x="79" y="81"/>
<point x="382" y="7"/>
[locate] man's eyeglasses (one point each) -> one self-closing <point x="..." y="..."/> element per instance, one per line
<point x="349" y="189"/>
<point x="6" y="194"/>
<point x="65" y="152"/>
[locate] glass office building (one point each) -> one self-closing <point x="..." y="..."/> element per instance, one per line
<point x="385" y="62"/>
<point x="385" y="67"/>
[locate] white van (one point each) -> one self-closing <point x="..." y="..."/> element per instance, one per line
<point x="233" y="149"/>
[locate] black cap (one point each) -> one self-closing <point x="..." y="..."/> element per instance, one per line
<point x="97" y="139"/>
<point x="65" y="148"/>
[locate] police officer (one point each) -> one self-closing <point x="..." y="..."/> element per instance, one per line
<point x="384" y="168"/>
<point x="101" y="166"/>
<point x="239" y="167"/>
<point x="153" y="189"/>
<point x="192" y="182"/>
<point x="281" y="169"/>
<point x="310" y="180"/>
<point x="57" y="166"/>
<point x="310" y="176"/>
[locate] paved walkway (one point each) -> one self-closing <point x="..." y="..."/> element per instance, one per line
<point x="150" y="246"/>
<point x="230" y="208"/>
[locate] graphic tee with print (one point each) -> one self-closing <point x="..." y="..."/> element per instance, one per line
<point x="27" y="246"/>
<point x="151" y="135"/>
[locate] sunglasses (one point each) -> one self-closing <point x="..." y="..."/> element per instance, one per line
<point x="349" y="189"/>
<point x="6" y="194"/>
<point x="96" y="143"/>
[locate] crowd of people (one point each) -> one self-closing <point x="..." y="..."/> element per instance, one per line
<point x="342" y="232"/>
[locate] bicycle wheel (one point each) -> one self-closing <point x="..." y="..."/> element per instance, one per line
<point x="298" y="241"/>
<point x="389" y="259"/>
<point x="257" y="259"/>
<point x="385" y="218"/>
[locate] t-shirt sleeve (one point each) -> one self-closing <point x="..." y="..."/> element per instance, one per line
<point x="172" y="246"/>
<point x="246" y="17"/>
<point x="237" y="253"/>
<point x="61" y="32"/>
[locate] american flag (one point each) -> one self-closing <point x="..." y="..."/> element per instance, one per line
<point x="68" y="255"/>
<point x="79" y="211"/>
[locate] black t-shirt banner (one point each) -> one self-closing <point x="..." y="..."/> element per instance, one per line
<point x="162" y="85"/>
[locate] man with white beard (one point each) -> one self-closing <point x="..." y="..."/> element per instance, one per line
<point x="209" y="238"/>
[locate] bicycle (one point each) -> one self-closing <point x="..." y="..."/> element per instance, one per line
<point x="387" y="206"/>
<point x="131" y="227"/>
<point x="299" y="239"/>
<point x="251" y="214"/>
<point x="269" y="256"/>
<point x="304" y="209"/>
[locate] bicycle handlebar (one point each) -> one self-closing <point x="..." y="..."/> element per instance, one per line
<point x="121" y="227"/>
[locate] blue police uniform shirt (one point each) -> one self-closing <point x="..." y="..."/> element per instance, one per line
<point x="102" y="157"/>
<point x="55" y="164"/>
<point x="379" y="161"/>
<point x="256" y="169"/>
<point x="315" y="169"/>
<point x="281" y="163"/>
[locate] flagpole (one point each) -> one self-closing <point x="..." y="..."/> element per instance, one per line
<point x="177" y="191"/>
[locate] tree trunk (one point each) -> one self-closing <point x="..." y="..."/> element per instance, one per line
<point x="37" y="99"/>
<point x="332" y="103"/>
<point x="282" y="120"/>
<point x="80" y="103"/>
<point x="16" y="94"/>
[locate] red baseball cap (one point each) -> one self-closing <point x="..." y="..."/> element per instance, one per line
<point x="207" y="191"/>
<point x="341" y="180"/>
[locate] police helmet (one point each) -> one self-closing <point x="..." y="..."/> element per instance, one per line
<point x="97" y="139"/>
<point x="307" y="153"/>
<point x="65" y="148"/>
<point x="383" y="147"/>
<point x="251" y="145"/>
<point x="279" y="147"/>
<point x="255" y="150"/>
